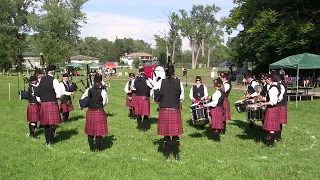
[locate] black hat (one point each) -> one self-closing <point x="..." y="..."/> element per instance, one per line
<point x="171" y="70"/>
<point x="33" y="78"/>
<point x="39" y="71"/>
<point x="51" y="67"/>
<point x="65" y="75"/>
<point x="97" y="79"/>
<point x="141" y="70"/>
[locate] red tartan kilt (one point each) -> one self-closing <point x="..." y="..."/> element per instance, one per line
<point x="130" y="103"/>
<point x="217" y="117"/>
<point x="283" y="114"/>
<point x="49" y="113"/>
<point x="142" y="106"/>
<point x="226" y="106"/>
<point x="33" y="112"/>
<point x="169" y="122"/>
<point x="65" y="108"/>
<point x="96" y="123"/>
<point x="272" y="119"/>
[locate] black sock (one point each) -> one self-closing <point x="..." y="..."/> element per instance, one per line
<point x="145" y="122"/>
<point x="46" y="133"/>
<point x="31" y="130"/>
<point x="176" y="144"/>
<point x="166" y="145"/>
<point x="99" y="142"/>
<point x="224" y="127"/>
<point x="51" y="133"/>
<point x="90" y="141"/>
<point x="280" y="132"/>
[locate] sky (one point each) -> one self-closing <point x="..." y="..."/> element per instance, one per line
<point x="139" y="19"/>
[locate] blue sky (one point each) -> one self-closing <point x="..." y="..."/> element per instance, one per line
<point x="139" y="19"/>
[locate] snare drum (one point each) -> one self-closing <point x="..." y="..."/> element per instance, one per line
<point x="255" y="112"/>
<point x="199" y="114"/>
<point x="240" y="106"/>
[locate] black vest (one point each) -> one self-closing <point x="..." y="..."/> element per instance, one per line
<point x="31" y="98"/>
<point x="250" y="89"/>
<point x="142" y="89"/>
<point x="46" y="90"/>
<point x="229" y="90"/>
<point x="129" y="86"/>
<point x="65" y="98"/>
<point x="170" y="93"/>
<point x="271" y="86"/>
<point x="283" y="102"/>
<point x="95" y="98"/>
<point x="221" y="99"/>
<point x="264" y="90"/>
<point x="198" y="92"/>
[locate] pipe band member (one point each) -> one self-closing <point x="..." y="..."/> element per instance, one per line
<point x="226" y="104"/>
<point x="33" y="111"/>
<point x="131" y="94"/>
<point x="66" y="102"/>
<point x="252" y="88"/>
<point x="199" y="91"/>
<point x="49" y="93"/>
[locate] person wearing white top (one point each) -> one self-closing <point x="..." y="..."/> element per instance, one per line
<point x="272" y="118"/>
<point x="199" y="91"/>
<point x="252" y="88"/>
<point x="226" y="104"/>
<point x="130" y="90"/>
<point x="66" y="102"/>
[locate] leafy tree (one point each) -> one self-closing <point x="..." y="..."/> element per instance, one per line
<point x="136" y="62"/>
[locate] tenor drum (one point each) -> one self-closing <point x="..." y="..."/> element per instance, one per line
<point x="255" y="112"/>
<point x="199" y="114"/>
<point x="240" y="106"/>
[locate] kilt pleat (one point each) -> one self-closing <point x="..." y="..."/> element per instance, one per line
<point x="217" y="117"/>
<point x="226" y="106"/>
<point x="142" y="106"/>
<point x="130" y="103"/>
<point x="33" y="112"/>
<point x="49" y="113"/>
<point x="169" y="122"/>
<point x="96" y="123"/>
<point x="66" y="108"/>
<point x="272" y="119"/>
<point x="283" y="115"/>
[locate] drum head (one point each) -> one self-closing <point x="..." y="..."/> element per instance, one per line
<point x="159" y="72"/>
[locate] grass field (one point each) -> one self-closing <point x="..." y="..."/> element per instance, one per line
<point x="132" y="154"/>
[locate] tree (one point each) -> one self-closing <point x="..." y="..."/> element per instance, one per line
<point x="136" y="62"/>
<point x="57" y="28"/>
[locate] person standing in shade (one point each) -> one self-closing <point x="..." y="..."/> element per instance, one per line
<point x="226" y="104"/>
<point x="49" y="92"/>
<point x="142" y="101"/>
<point x="96" y="118"/>
<point x="131" y="94"/>
<point x="216" y="109"/>
<point x="252" y="88"/>
<point x="169" y="120"/>
<point x="33" y="112"/>
<point x="282" y="105"/>
<point x="66" y="102"/>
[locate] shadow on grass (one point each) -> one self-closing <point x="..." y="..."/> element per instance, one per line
<point x="107" y="142"/>
<point x="250" y="131"/>
<point x="110" y="114"/>
<point x="153" y="120"/>
<point x="159" y="142"/>
<point x="76" y="118"/>
<point x="38" y="132"/>
<point x="65" y="134"/>
<point x="196" y="135"/>
<point x="198" y="127"/>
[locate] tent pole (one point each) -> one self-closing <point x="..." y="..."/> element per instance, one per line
<point x="314" y="80"/>
<point x="297" y="86"/>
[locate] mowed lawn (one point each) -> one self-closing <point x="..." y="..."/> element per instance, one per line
<point x="132" y="154"/>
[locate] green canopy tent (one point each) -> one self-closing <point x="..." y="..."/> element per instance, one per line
<point x="299" y="61"/>
<point x="73" y="65"/>
<point x="93" y="65"/>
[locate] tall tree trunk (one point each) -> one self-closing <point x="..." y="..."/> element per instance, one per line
<point x="202" y="48"/>
<point x="196" y="60"/>
<point x="193" y="64"/>
<point x="209" y="53"/>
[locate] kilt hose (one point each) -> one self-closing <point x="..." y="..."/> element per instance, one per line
<point x="272" y="119"/>
<point x="130" y="103"/>
<point x="66" y="108"/>
<point x="49" y="113"/>
<point x="142" y="106"/>
<point x="217" y="117"/>
<point x="33" y="112"/>
<point x="283" y="114"/>
<point x="169" y="122"/>
<point x="226" y="106"/>
<point x="96" y="122"/>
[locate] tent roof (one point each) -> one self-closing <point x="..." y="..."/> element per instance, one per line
<point x="73" y="65"/>
<point x="226" y="63"/>
<point x="303" y="61"/>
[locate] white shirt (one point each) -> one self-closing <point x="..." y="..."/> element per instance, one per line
<point x="132" y="86"/>
<point x="181" y="87"/>
<point x="215" y="99"/>
<point x="226" y="86"/>
<point x="63" y="89"/>
<point x="273" y="95"/>
<point x="56" y="87"/>
<point x="255" y="85"/>
<point x="104" y="95"/>
<point x="205" y="90"/>
<point x="282" y="91"/>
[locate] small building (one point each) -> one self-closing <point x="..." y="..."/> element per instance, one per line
<point x="31" y="60"/>
<point x="145" y="58"/>
<point x="81" y="59"/>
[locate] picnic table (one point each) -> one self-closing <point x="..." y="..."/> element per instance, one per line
<point x="302" y="92"/>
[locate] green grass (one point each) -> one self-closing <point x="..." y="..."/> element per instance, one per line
<point x="135" y="155"/>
